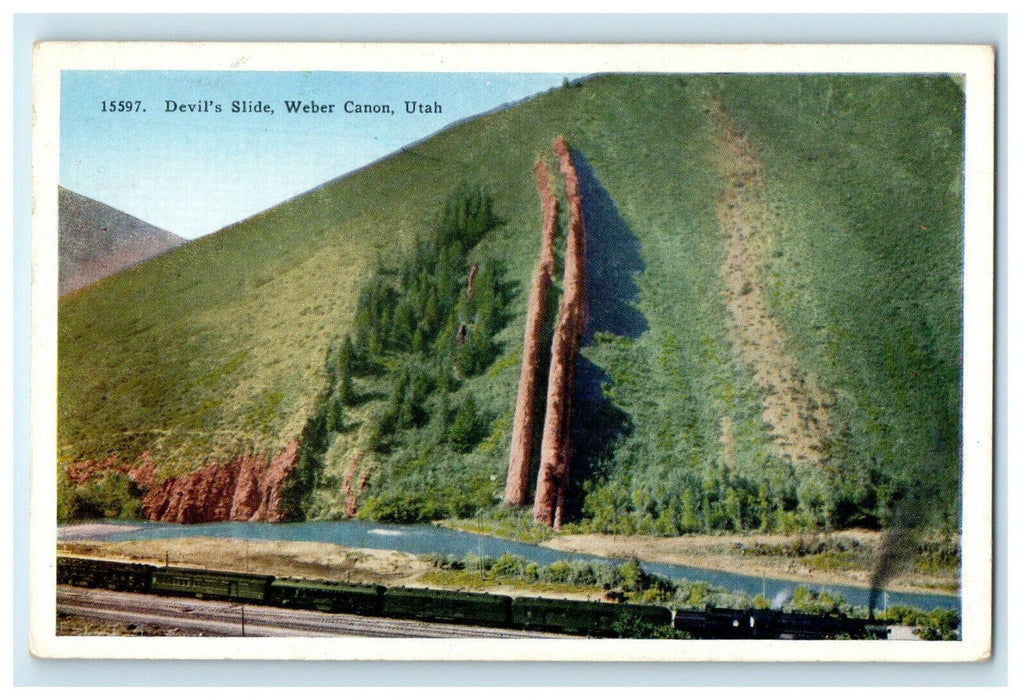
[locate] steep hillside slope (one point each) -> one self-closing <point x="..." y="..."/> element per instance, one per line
<point x="96" y="240"/>
<point x="848" y="193"/>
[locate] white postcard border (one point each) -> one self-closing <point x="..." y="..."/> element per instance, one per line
<point x="975" y="62"/>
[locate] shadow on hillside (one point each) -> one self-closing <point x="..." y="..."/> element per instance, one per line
<point x="612" y="262"/>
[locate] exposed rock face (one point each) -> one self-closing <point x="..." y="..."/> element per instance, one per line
<point x="141" y="472"/>
<point x="553" y="469"/>
<point x="349" y="492"/>
<point x="519" y="467"/>
<point x="471" y="282"/>
<point x="248" y="488"/>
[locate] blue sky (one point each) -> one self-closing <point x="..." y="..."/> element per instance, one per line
<point x="193" y="173"/>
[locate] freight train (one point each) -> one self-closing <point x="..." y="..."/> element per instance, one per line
<point x="577" y="617"/>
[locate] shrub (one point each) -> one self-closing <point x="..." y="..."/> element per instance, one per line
<point x="110" y="495"/>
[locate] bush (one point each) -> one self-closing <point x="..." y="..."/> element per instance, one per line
<point x="400" y="508"/>
<point x="937" y="625"/>
<point x="508" y="566"/>
<point x="110" y="495"/>
<point x="805" y="601"/>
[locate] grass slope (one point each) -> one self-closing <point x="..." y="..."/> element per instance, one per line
<point x="220" y="346"/>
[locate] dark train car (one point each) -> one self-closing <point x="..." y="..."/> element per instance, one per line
<point x="223" y="585"/>
<point x="772" y="624"/>
<point x="634" y="617"/>
<point x="112" y="575"/>
<point x="328" y="596"/>
<point x="484" y="609"/>
<point x="802" y="626"/>
<point x="718" y="623"/>
<point x="585" y="617"/>
<point x="831" y="627"/>
<point x="698" y="624"/>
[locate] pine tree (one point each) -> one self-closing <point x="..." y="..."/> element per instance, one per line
<point x="465" y="427"/>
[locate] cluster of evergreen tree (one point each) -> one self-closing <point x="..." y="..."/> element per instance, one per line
<point x="434" y="317"/>
<point x="709" y="497"/>
<point x="687" y="503"/>
<point x="424" y="307"/>
<point x="424" y="324"/>
<point x="314" y="440"/>
<point x="718" y="501"/>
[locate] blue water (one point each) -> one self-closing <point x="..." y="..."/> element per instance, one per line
<point x="429" y="539"/>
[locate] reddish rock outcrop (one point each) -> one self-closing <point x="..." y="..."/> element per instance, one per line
<point x="520" y="465"/>
<point x="553" y="469"/>
<point x="81" y="472"/>
<point x="349" y="493"/>
<point x="471" y="282"/>
<point x="141" y="471"/>
<point x="247" y="488"/>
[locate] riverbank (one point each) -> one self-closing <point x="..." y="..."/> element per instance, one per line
<point x="400" y="555"/>
<point x="281" y="559"/>
<point x="841" y="558"/>
<point x="86" y="531"/>
<point x="312" y="560"/>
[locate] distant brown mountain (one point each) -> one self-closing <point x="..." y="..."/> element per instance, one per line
<point x="97" y="240"/>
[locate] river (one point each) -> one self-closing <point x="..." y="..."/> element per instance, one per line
<point x="429" y="539"/>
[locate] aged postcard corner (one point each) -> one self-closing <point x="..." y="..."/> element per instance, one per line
<point x="512" y="352"/>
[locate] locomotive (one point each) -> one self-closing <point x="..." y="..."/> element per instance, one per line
<point x="576" y="617"/>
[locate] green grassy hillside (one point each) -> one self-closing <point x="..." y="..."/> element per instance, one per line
<point x="232" y="342"/>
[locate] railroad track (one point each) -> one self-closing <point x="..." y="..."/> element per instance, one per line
<point x="225" y="619"/>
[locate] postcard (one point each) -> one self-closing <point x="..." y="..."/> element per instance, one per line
<point x="512" y="352"/>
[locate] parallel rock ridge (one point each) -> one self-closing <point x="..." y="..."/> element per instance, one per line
<point x="520" y="465"/>
<point x="553" y="470"/>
